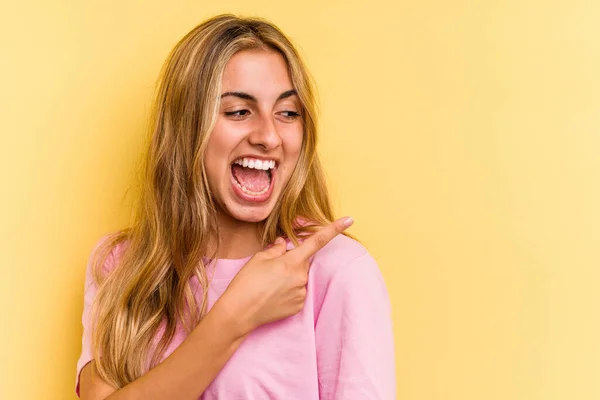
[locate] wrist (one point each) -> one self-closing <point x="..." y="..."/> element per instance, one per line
<point x="231" y="317"/>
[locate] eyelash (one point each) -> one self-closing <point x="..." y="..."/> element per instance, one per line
<point x="236" y="114"/>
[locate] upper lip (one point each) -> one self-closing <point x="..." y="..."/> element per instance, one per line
<point x="257" y="158"/>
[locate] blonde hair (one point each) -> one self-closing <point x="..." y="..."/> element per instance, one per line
<point x="148" y="291"/>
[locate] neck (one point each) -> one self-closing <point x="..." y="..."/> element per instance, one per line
<point x="238" y="239"/>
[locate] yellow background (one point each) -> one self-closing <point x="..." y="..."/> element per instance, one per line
<point x="461" y="135"/>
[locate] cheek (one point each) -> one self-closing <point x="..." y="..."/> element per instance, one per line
<point x="293" y="145"/>
<point x="221" y="143"/>
<point x="210" y="157"/>
<point x="216" y="154"/>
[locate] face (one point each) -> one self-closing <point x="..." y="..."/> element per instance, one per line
<point x="256" y="141"/>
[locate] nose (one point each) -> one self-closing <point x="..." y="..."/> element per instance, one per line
<point x="265" y="134"/>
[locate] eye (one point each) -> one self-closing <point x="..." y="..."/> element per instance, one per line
<point x="289" y="115"/>
<point x="239" y="114"/>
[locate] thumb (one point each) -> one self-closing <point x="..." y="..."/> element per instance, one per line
<point x="278" y="248"/>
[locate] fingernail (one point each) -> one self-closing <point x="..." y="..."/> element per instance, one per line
<point x="348" y="221"/>
<point x="279" y="240"/>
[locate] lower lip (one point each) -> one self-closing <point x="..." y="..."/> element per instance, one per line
<point x="248" y="197"/>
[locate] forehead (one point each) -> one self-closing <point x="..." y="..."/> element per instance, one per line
<point x="257" y="72"/>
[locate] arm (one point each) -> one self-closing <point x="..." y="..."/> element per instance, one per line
<point x="271" y="286"/>
<point x="354" y="337"/>
<point x="187" y="372"/>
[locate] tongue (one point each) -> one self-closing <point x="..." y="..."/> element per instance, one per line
<point x="252" y="179"/>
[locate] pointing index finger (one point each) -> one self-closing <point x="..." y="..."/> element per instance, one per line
<point x="319" y="239"/>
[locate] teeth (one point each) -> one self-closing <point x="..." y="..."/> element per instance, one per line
<point x="256" y="164"/>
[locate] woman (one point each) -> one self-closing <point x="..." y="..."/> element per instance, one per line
<point x="190" y="301"/>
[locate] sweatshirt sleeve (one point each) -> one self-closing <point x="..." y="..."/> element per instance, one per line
<point x="89" y="293"/>
<point x="354" y="338"/>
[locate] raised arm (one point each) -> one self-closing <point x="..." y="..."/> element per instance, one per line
<point x="271" y="286"/>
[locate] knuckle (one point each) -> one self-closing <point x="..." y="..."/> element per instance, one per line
<point x="287" y="262"/>
<point x="265" y="252"/>
<point x="320" y="241"/>
<point x="302" y="280"/>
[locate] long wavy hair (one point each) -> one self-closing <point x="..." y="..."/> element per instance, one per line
<point x="148" y="291"/>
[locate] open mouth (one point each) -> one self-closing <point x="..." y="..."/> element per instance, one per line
<point x="253" y="179"/>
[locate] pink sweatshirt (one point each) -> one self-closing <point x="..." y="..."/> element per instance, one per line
<point x="339" y="347"/>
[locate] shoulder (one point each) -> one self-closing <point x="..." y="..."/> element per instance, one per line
<point x="343" y="275"/>
<point x="343" y="259"/>
<point x="340" y="250"/>
<point x="107" y="250"/>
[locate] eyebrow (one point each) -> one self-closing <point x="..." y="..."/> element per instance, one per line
<point x="246" y="96"/>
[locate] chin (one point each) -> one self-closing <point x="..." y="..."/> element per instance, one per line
<point x="251" y="214"/>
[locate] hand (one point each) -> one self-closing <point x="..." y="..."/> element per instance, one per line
<point x="272" y="284"/>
